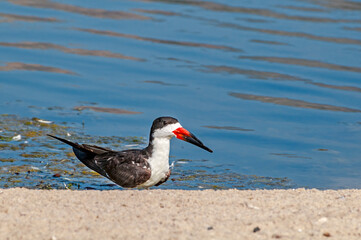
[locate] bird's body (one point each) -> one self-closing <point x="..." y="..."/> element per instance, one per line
<point x="136" y="167"/>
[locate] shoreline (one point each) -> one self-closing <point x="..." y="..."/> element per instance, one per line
<point x="180" y="214"/>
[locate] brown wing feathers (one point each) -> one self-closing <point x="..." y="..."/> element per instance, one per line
<point x="125" y="168"/>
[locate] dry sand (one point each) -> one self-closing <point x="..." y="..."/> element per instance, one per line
<point x="175" y="214"/>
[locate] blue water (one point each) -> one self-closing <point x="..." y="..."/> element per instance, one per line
<point x="273" y="87"/>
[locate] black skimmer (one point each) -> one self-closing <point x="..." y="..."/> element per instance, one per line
<point x="141" y="168"/>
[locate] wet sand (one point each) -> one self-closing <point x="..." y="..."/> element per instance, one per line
<point x="176" y="214"/>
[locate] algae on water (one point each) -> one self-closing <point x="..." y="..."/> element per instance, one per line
<point x="33" y="160"/>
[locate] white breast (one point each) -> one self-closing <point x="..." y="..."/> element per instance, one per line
<point x="159" y="161"/>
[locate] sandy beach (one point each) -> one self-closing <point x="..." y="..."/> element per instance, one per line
<point x="176" y="214"/>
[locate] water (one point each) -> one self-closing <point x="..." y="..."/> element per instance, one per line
<point x="273" y="87"/>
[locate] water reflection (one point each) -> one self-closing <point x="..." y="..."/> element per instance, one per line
<point x="345" y="88"/>
<point x="273" y="76"/>
<point x="106" y="110"/>
<point x="357" y="29"/>
<point x="158" y="12"/>
<point x="304" y="62"/>
<point x="16" y="17"/>
<point x="304" y="9"/>
<point x="229" y="128"/>
<point x="254" y="11"/>
<point x="290" y="155"/>
<point x="163" y="83"/>
<point x="250" y="73"/>
<point x="292" y="102"/>
<point x="340" y="4"/>
<point x="10" y="66"/>
<point x="268" y="42"/>
<point x="78" y="51"/>
<point x="154" y="40"/>
<point x="339" y="40"/>
<point x="91" y="12"/>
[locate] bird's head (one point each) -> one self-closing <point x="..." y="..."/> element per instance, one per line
<point x="168" y="127"/>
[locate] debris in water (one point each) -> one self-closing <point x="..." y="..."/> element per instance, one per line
<point x="17" y="137"/>
<point x="43" y="121"/>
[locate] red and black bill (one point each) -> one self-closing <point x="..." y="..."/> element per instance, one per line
<point x="185" y="135"/>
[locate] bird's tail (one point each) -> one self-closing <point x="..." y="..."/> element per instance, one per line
<point x="85" y="153"/>
<point x="74" y="145"/>
<point x="82" y="152"/>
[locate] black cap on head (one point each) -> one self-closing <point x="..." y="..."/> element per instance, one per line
<point x="159" y="123"/>
<point x="163" y="121"/>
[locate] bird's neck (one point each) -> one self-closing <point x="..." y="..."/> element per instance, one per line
<point x="160" y="150"/>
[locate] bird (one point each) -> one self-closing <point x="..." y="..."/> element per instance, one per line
<point x="136" y="168"/>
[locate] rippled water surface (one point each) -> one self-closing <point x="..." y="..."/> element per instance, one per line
<point x="273" y="87"/>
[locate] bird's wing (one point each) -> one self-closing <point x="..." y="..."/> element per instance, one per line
<point x="96" y="149"/>
<point x="127" y="168"/>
